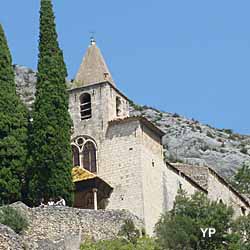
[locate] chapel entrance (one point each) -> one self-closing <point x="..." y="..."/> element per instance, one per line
<point x="91" y="192"/>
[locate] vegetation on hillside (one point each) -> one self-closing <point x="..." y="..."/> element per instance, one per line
<point x="13" y="219"/>
<point x="180" y="229"/>
<point x="128" y="239"/>
<point x="13" y="130"/>
<point x="241" y="180"/>
<point x="50" y="170"/>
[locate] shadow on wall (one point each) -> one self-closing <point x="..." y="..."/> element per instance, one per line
<point x="121" y="130"/>
<point x="165" y="192"/>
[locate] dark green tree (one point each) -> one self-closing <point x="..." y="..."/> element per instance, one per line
<point x="13" y="130"/>
<point x="180" y="229"/>
<point x="50" y="171"/>
<point x="241" y="180"/>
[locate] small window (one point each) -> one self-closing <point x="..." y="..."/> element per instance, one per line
<point x="85" y="106"/>
<point x="118" y="106"/>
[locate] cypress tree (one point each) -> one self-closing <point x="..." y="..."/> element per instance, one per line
<point x="50" y="173"/>
<point x="13" y="130"/>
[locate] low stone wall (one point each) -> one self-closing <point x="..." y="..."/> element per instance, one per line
<point x="9" y="240"/>
<point x="64" y="228"/>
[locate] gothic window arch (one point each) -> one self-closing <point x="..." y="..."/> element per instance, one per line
<point x="76" y="156"/>
<point x="85" y="106"/>
<point x="84" y="152"/>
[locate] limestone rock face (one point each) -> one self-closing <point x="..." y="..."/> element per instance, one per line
<point x="26" y="84"/>
<point x="64" y="228"/>
<point x="190" y="141"/>
<point x="186" y="140"/>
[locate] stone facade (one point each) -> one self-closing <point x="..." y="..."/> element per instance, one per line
<point x="129" y="150"/>
<point x="216" y="187"/>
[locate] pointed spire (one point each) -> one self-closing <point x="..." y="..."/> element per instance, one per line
<point x="93" y="68"/>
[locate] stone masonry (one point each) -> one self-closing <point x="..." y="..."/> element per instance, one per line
<point x="64" y="228"/>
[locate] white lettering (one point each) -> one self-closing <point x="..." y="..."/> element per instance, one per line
<point x="204" y="231"/>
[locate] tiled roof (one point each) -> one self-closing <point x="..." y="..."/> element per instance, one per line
<point x="197" y="173"/>
<point x="81" y="174"/>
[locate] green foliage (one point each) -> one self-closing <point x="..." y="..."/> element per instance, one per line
<point x="241" y="180"/>
<point x="119" y="244"/>
<point x="181" y="227"/>
<point x="241" y="231"/>
<point x="13" y="219"/>
<point x="13" y="130"/>
<point x="209" y="134"/>
<point x="129" y="231"/>
<point x="128" y="239"/>
<point x="228" y="131"/>
<point x="135" y="106"/>
<point x="50" y="170"/>
<point x="243" y="150"/>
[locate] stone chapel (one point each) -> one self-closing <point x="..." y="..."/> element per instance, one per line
<point x="118" y="159"/>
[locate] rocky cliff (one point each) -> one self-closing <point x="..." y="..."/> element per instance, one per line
<point x="186" y="140"/>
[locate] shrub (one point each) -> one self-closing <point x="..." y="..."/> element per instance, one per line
<point x="209" y="134"/>
<point x="129" y="231"/>
<point x="143" y="243"/>
<point x="243" y="150"/>
<point x="228" y="131"/>
<point x="176" y="115"/>
<point x="13" y="219"/>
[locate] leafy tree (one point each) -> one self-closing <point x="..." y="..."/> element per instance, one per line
<point x="50" y="171"/>
<point x="13" y="130"/>
<point x="241" y="180"/>
<point x="180" y="229"/>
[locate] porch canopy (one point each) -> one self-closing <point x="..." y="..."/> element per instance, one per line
<point x="91" y="191"/>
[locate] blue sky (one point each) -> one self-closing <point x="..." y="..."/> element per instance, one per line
<point x="189" y="57"/>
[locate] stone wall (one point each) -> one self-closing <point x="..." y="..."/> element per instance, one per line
<point x="120" y="166"/>
<point x="9" y="240"/>
<point x="152" y="166"/>
<point x="220" y="192"/>
<point x="64" y="228"/>
<point x="172" y="182"/>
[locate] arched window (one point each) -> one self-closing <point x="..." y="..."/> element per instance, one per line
<point x="85" y="106"/>
<point x="118" y="106"/>
<point x="76" y="158"/>
<point x="89" y="156"/>
<point x="84" y="153"/>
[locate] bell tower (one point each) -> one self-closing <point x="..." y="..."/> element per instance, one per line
<point x="94" y="99"/>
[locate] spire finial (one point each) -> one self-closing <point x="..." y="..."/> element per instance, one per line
<point x="92" y="38"/>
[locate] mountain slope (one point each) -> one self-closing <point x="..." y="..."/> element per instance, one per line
<point x="190" y="141"/>
<point x="186" y="140"/>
